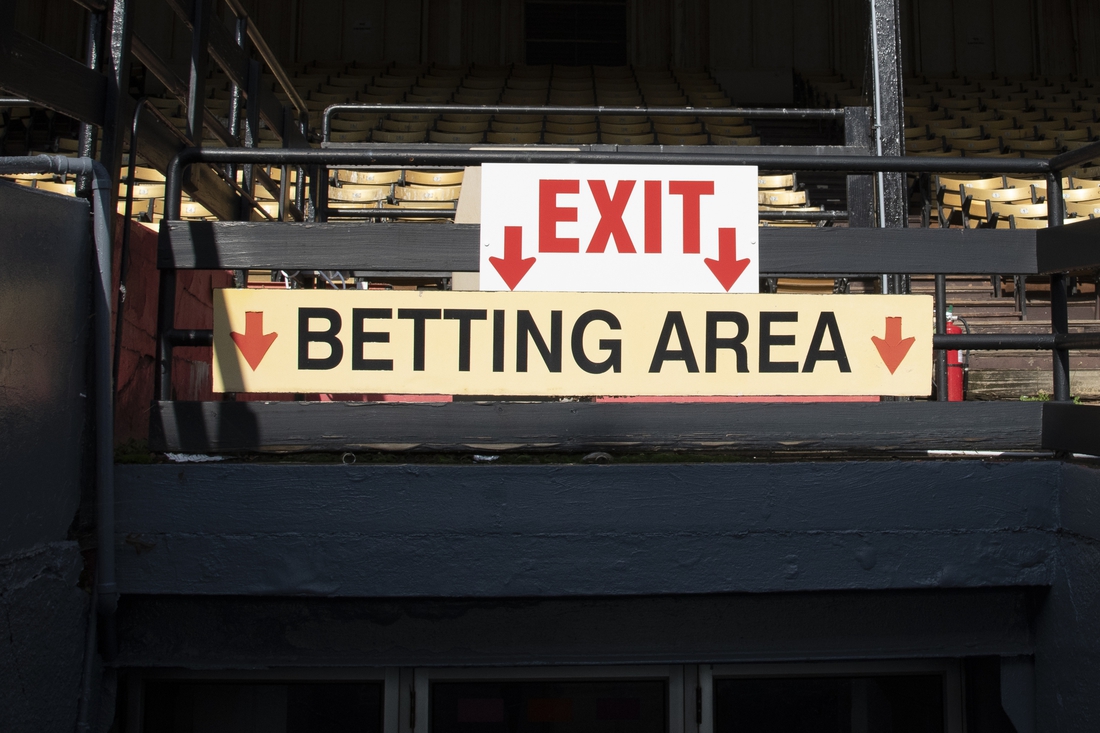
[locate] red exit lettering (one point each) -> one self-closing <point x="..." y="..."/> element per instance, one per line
<point x="611" y="208"/>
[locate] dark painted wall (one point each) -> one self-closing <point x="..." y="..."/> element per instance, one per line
<point x="198" y="632"/>
<point x="1067" y="657"/>
<point x="45" y="252"/>
<point x="568" y="530"/>
<point x="994" y="561"/>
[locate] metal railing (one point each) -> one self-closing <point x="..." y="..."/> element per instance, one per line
<point x="1059" y="341"/>
<point x="543" y="109"/>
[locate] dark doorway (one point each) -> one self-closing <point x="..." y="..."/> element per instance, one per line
<point x="231" y="707"/>
<point x="629" y="706"/>
<point x="888" y="704"/>
<point x="576" y="32"/>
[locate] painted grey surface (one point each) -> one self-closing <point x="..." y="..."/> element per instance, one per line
<point x="43" y="614"/>
<point x="868" y="427"/>
<point x="236" y="632"/>
<point x="573" y="530"/>
<point x="44" y="327"/>
<point x="1067" y="656"/>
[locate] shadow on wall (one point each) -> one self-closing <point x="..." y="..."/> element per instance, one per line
<point x="191" y="367"/>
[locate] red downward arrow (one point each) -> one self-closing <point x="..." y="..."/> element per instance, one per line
<point x="727" y="268"/>
<point x="893" y="348"/>
<point x="253" y="343"/>
<point x="513" y="267"/>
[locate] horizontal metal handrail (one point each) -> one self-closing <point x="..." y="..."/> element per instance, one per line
<point x="940" y="342"/>
<point x="1073" y="158"/>
<point x="425" y="155"/>
<point x="811" y="215"/>
<point x="546" y="109"/>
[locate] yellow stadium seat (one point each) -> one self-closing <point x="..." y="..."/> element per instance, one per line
<point x="497" y="126"/>
<point x="368" y="177"/>
<point x="513" y="138"/>
<point x="559" y="128"/>
<point x="416" y="177"/>
<point x="644" y="138"/>
<point x="588" y="138"/>
<point x="726" y="140"/>
<point x="359" y="194"/>
<point x="462" y="138"/>
<point x="388" y="136"/>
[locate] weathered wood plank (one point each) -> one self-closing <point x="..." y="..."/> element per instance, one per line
<point x="575" y="530"/>
<point x="392" y="246"/>
<point x="450" y="247"/>
<point x="913" y="251"/>
<point x="874" y="427"/>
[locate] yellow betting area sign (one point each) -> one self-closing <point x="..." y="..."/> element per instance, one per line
<point x="571" y="344"/>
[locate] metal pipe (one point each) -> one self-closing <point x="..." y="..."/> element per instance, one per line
<point x="1013" y="341"/>
<point x="941" y="329"/>
<point x="106" y="591"/>
<point x="425" y="155"/>
<point x="123" y="263"/>
<point x="546" y="109"/>
<point x="1059" y="298"/>
<point x="191" y="337"/>
<point x="86" y="144"/>
<point x="437" y="213"/>
<point x="940" y="342"/>
<point x="1073" y="158"/>
<point x="877" y="91"/>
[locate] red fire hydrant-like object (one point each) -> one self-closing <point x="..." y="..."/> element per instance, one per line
<point x="954" y="366"/>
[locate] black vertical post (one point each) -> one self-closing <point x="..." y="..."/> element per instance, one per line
<point x="116" y="117"/>
<point x="251" y="129"/>
<point x="91" y="58"/>
<point x="887" y="107"/>
<point x="941" y="328"/>
<point x="284" y="182"/>
<point x="861" y="189"/>
<point x="240" y="277"/>
<point x="1059" y="298"/>
<point x="202" y="16"/>
<point x="236" y="98"/>
<point x="886" y="97"/>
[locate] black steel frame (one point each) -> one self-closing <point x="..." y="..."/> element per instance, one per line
<point x="1059" y="341"/>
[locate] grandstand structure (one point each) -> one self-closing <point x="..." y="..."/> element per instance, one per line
<point x="176" y="559"/>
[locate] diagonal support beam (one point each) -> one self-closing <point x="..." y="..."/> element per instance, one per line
<point x="33" y="70"/>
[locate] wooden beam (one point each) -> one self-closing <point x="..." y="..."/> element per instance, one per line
<point x="872" y="427"/>
<point x="454" y="248"/>
<point x="33" y="70"/>
<point x="164" y="634"/>
<point x="469" y="531"/>
<point x="1069" y="247"/>
<point x="395" y="247"/>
